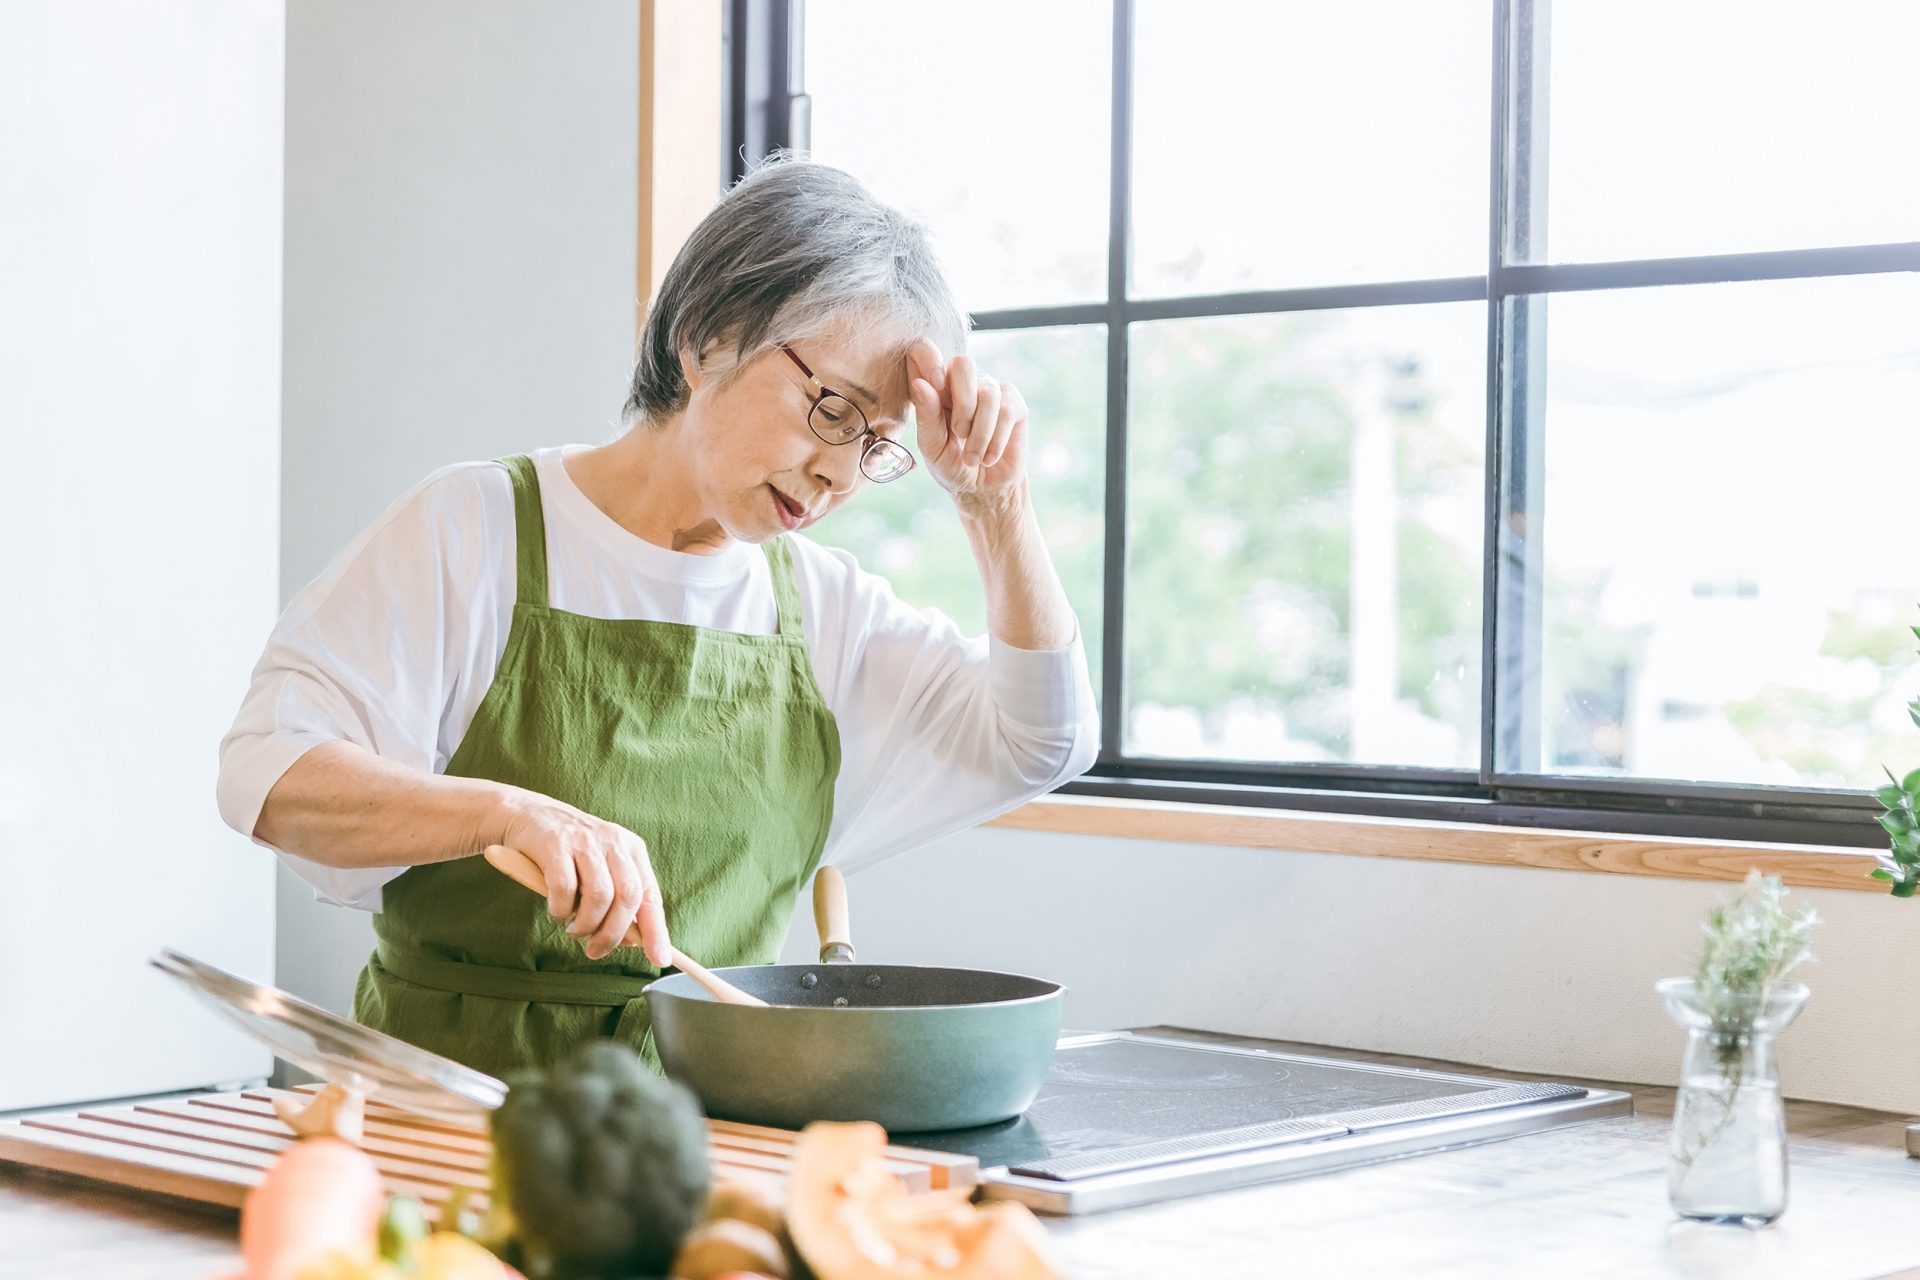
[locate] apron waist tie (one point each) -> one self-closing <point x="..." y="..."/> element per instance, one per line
<point x="606" y="990"/>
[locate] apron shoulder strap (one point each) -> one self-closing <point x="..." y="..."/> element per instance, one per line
<point x="530" y="532"/>
<point x="786" y="596"/>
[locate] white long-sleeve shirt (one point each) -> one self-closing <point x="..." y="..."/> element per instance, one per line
<point x="394" y="645"/>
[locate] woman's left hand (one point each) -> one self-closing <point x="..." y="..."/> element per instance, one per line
<point x="972" y="427"/>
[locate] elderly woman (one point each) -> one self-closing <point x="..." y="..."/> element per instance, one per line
<point x="626" y="662"/>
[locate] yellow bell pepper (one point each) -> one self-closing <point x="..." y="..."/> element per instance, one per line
<point x="444" y="1255"/>
<point x="448" y="1255"/>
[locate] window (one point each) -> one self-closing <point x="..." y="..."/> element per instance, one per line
<point x="1472" y="409"/>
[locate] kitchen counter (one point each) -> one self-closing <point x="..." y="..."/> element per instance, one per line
<point x="1577" y="1202"/>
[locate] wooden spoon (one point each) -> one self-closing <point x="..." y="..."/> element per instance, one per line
<point x="519" y="867"/>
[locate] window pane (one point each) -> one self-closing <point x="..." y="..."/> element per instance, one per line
<point x="1305" y="143"/>
<point x="991" y="123"/>
<point x="1748" y="125"/>
<point x="1729" y="532"/>
<point x="1305" y="496"/>
<point x="907" y="531"/>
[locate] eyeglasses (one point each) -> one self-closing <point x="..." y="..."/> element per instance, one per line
<point x="838" y="420"/>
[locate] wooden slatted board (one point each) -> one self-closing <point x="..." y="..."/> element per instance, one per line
<point x="213" y="1147"/>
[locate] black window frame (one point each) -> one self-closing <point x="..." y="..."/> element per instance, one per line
<point x="767" y="107"/>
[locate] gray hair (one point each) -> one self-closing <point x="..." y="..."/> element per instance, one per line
<point x="796" y="250"/>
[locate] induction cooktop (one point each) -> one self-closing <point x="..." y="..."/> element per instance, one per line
<point x="1127" y="1118"/>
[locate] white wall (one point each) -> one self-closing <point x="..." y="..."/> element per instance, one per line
<point x="460" y="257"/>
<point x="1547" y="971"/>
<point x="140" y="223"/>
<point x="460" y="262"/>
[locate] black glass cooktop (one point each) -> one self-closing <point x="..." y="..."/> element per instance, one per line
<point x="1120" y="1091"/>
<point x="1132" y="1118"/>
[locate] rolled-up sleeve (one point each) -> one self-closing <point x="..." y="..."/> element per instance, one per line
<point x="1045" y="701"/>
<point x="367" y="653"/>
<point x="939" y="731"/>
<point x="289" y="711"/>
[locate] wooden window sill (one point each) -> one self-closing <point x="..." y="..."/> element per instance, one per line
<point x="1804" y="866"/>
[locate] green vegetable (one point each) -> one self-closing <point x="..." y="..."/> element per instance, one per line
<point x="600" y="1167"/>
<point x="402" y="1227"/>
<point x="457" y="1215"/>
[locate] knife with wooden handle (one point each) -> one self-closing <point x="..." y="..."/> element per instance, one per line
<point x="518" y="867"/>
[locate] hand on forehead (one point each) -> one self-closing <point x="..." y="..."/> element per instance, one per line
<point x="876" y="372"/>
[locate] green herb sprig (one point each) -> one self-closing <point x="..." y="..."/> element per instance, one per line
<point x="1753" y="942"/>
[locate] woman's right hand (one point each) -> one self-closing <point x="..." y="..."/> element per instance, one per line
<point x="598" y="874"/>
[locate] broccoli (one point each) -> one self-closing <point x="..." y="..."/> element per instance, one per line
<point x="600" y="1167"/>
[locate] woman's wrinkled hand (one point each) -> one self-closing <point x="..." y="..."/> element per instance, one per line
<point x="598" y="875"/>
<point x="972" y="428"/>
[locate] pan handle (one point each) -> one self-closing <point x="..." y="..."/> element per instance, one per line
<point x="830" y="916"/>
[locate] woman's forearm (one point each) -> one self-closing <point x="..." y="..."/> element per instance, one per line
<point x="343" y="806"/>
<point x="1026" y="605"/>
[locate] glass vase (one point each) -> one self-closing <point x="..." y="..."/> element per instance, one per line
<point x="1728" y="1159"/>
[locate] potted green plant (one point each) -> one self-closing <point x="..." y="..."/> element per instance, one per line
<point x="1900" y="798"/>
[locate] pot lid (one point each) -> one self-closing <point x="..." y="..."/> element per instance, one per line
<point x="338" y="1050"/>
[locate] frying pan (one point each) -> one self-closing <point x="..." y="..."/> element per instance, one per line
<point x="909" y="1047"/>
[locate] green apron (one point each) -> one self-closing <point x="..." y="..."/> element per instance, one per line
<point x="714" y="746"/>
